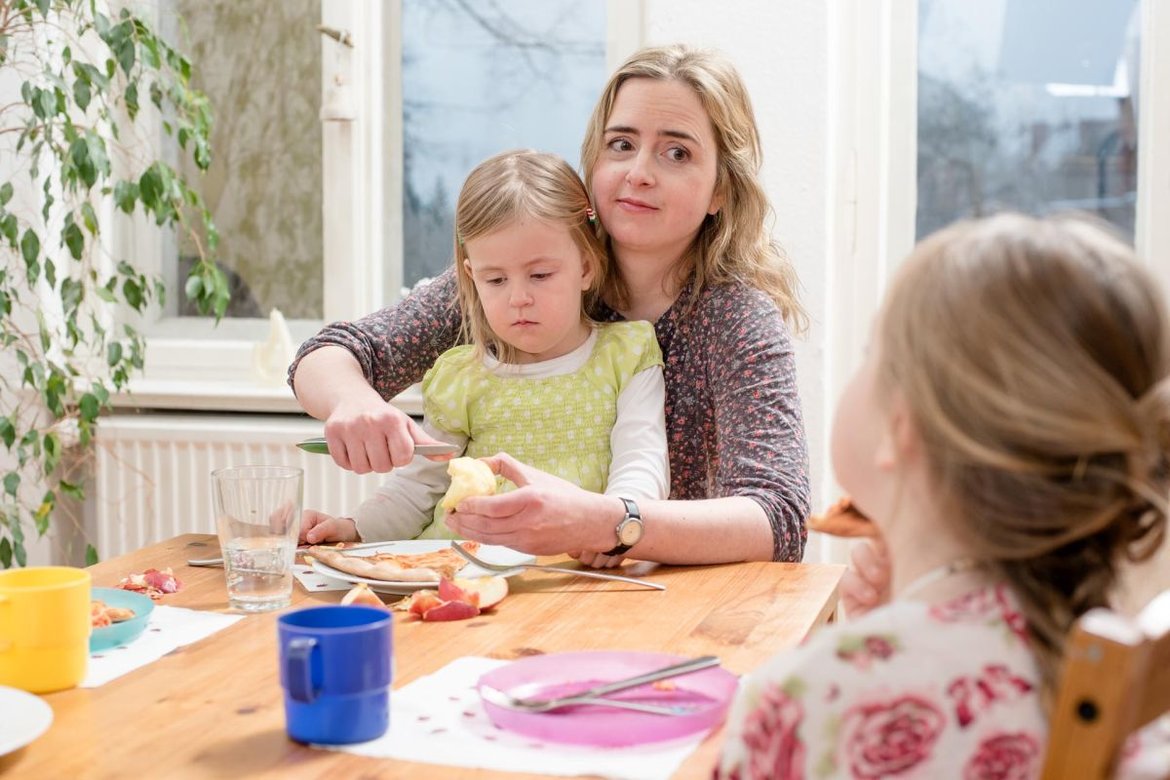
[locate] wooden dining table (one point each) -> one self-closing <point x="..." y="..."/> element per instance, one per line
<point x="214" y="708"/>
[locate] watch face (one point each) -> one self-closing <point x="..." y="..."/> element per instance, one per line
<point x="630" y="532"/>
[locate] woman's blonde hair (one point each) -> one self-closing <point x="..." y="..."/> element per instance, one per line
<point x="1034" y="357"/>
<point x="506" y="188"/>
<point x="734" y="244"/>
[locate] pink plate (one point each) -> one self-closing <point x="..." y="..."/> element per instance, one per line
<point x="708" y="691"/>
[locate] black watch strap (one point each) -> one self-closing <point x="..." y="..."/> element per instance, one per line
<point x="632" y="513"/>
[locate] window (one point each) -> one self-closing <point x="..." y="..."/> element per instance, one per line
<point x="336" y="166"/>
<point x="1029" y="106"/>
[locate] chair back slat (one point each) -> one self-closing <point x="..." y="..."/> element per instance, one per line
<point x="1116" y="679"/>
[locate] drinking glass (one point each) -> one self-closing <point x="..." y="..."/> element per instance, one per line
<point x="258" y="516"/>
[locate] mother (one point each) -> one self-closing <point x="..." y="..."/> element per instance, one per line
<point x="672" y="157"/>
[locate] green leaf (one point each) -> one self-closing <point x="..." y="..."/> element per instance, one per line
<point x="5" y="553"/>
<point x="89" y="405"/>
<point x="79" y="156"/>
<point x="71" y="295"/>
<point x="30" y="247"/>
<point x="194" y="288"/>
<point x="126" y="195"/>
<point x="11" y="483"/>
<point x="91" y="556"/>
<point x="81" y="93"/>
<point x="133" y="294"/>
<point x="7" y="432"/>
<point x="73" y="239"/>
<point x="50" y="273"/>
<point x="71" y="490"/>
<point x="89" y="218"/>
<point x="113" y="352"/>
<point x="125" y="53"/>
<point x="52" y="450"/>
<point x="9" y="229"/>
<point x="131" y="98"/>
<point x="41" y="515"/>
<point x="5" y="193"/>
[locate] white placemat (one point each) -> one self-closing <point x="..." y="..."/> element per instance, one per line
<point x="439" y="719"/>
<point x="313" y="582"/>
<point x="169" y="628"/>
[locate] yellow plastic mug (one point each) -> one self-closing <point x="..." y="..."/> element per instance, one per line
<point x="44" y="627"/>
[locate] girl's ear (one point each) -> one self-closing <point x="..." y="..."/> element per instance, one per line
<point x="587" y="273"/>
<point x="900" y="442"/>
<point x="467" y="267"/>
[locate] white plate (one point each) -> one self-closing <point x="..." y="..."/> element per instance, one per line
<point x="23" y="718"/>
<point x="488" y="552"/>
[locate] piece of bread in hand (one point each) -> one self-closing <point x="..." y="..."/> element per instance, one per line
<point x="469" y="477"/>
<point x="843" y="519"/>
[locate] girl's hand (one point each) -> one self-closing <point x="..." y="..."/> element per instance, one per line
<point x="318" y="527"/>
<point x="367" y="434"/>
<point x="545" y="515"/>
<point x="866" y="583"/>
<point x="597" y="560"/>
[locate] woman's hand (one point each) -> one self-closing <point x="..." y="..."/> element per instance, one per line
<point x="545" y="515"/>
<point x="368" y="434"/>
<point x="318" y="527"/>
<point x="866" y="583"/>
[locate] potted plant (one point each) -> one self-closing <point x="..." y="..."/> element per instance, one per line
<point x="79" y="88"/>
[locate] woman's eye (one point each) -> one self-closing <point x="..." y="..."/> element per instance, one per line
<point x="620" y="145"/>
<point x="678" y="154"/>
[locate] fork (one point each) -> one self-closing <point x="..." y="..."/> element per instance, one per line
<point x="508" y="701"/>
<point x="596" y="695"/>
<point x="500" y="567"/>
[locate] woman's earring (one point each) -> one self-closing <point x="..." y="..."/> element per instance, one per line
<point x="590" y="215"/>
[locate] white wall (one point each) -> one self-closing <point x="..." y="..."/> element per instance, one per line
<point x="783" y="51"/>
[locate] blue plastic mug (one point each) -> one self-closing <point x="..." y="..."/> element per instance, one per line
<point x="335" y="668"/>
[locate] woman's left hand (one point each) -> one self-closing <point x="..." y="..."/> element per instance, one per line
<point x="545" y="515"/>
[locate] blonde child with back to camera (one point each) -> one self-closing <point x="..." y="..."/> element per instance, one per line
<point x="536" y="377"/>
<point x="1009" y="435"/>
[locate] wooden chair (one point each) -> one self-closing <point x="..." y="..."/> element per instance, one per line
<point x="1116" y="679"/>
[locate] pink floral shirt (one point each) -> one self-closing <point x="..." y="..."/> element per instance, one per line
<point x="909" y="691"/>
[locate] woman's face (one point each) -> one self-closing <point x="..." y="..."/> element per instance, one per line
<point x="654" y="181"/>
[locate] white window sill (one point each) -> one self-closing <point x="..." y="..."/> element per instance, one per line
<point x="195" y="374"/>
<point x="226" y="396"/>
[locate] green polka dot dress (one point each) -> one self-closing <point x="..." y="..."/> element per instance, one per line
<point x="559" y="424"/>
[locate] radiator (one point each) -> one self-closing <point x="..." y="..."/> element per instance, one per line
<point x="152" y="472"/>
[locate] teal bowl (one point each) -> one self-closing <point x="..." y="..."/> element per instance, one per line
<point x="126" y="631"/>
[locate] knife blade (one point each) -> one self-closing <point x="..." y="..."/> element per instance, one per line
<point x="319" y="446"/>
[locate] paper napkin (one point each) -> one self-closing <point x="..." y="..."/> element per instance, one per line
<point x="313" y="582"/>
<point x="169" y="628"/>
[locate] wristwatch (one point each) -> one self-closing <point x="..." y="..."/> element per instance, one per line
<point x="629" y="530"/>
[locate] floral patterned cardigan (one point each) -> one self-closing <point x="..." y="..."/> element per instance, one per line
<point x="908" y="691"/>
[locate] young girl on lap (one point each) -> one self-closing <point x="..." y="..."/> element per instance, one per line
<point x="539" y="379"/>
<point x="1008" y="434"/>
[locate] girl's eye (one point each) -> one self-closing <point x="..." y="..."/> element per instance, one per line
<point x="678" y="154"/>
<point x="494" y="281"/>
<point x="620" y="145"/>
<point x="542" y="275"/>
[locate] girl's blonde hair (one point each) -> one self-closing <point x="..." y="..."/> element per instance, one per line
<point x="733" y="245"/>
<point x="1034" y="356"/>
<point x="506" y="188"/>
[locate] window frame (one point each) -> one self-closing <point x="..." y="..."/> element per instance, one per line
<point x="192" y="363"/>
